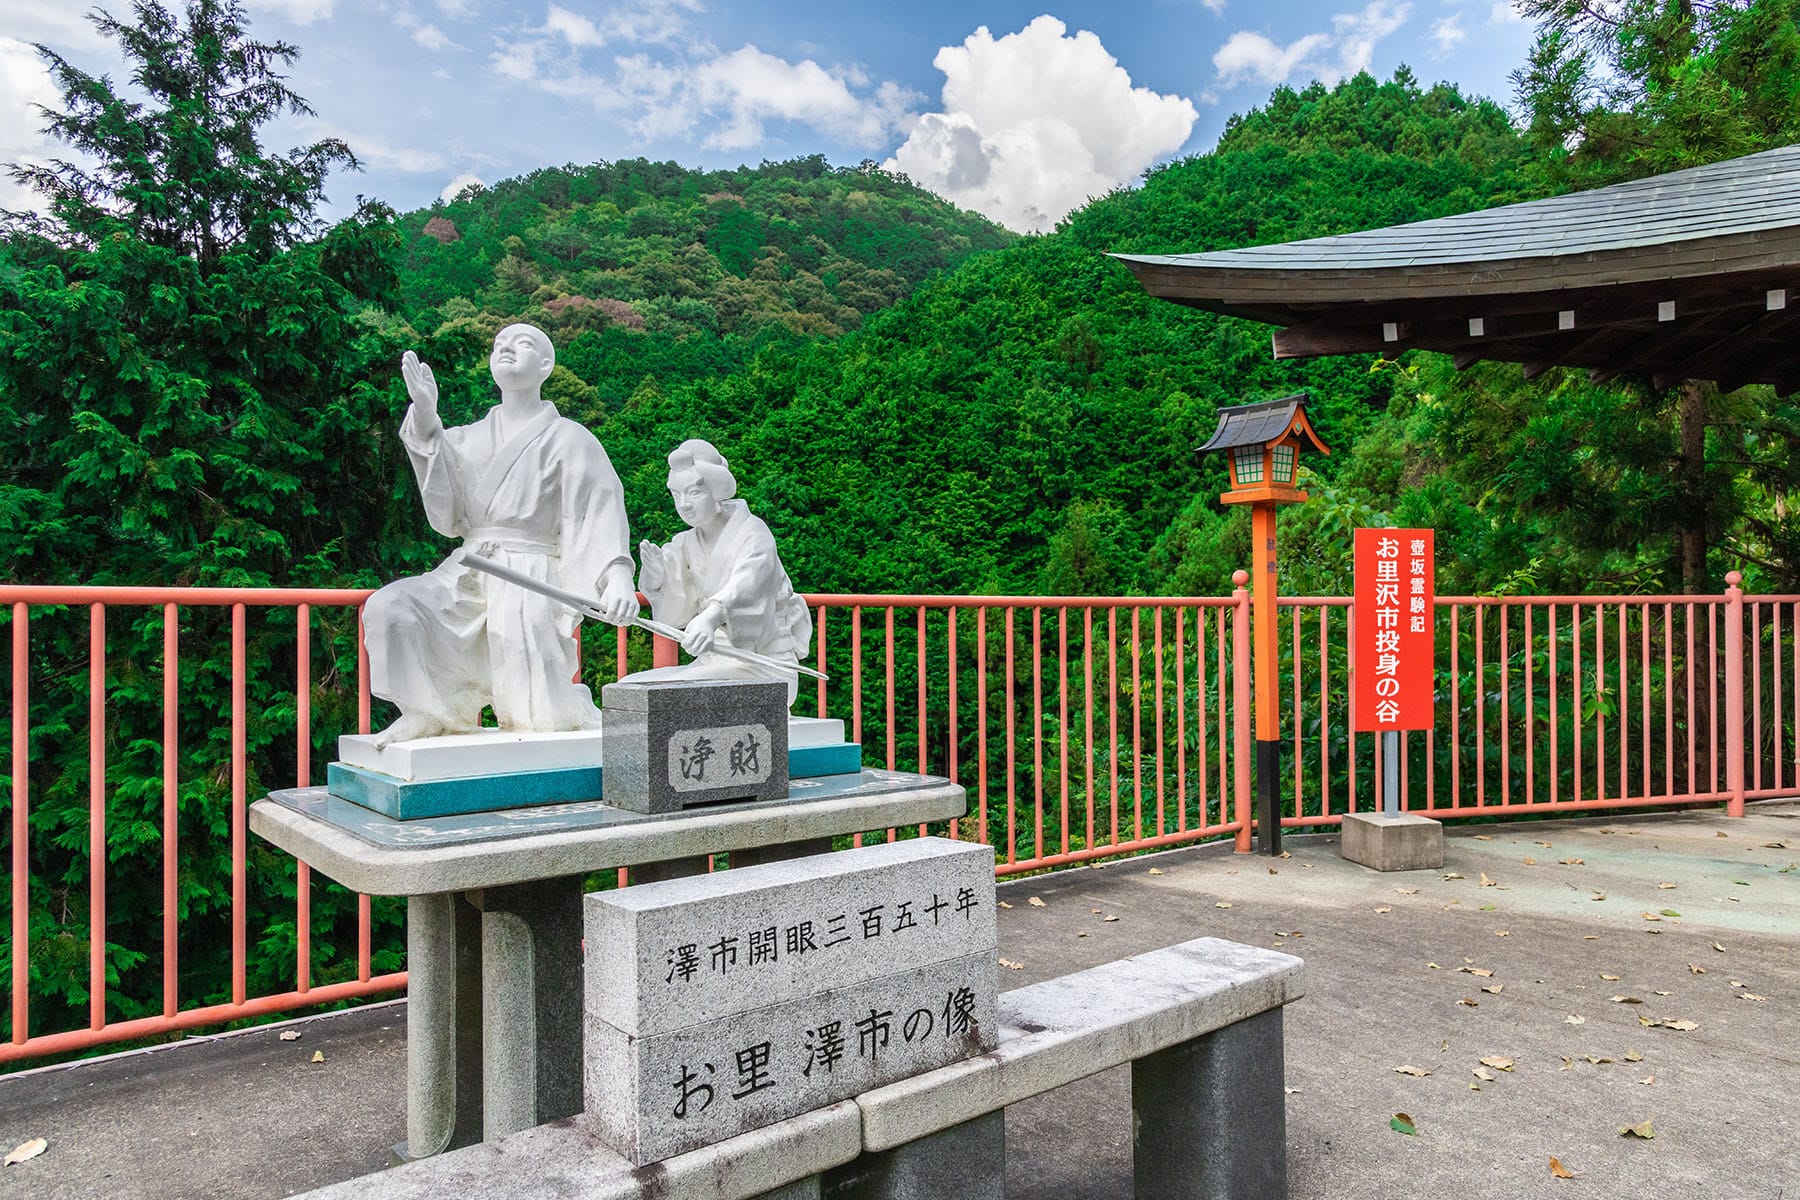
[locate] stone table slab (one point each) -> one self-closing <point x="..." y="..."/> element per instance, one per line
<point x="371" y="853"/>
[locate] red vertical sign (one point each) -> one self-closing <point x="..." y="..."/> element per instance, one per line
<point x="1395" y="643"/>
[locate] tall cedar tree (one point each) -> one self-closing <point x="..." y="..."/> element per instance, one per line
<point x="186" y="396"/>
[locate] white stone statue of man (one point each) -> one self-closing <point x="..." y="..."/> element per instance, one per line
<point x="534" y="491"/>
<point x="721" y="579"/>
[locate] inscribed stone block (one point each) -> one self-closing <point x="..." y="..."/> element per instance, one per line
<point x="675" y="953"/>
<point x="718" y="1004"/>
<point x="675" y="745"/>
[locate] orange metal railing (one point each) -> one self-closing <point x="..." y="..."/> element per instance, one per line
<point x="1083" y="728"/>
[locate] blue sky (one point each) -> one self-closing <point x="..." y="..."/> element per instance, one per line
<point x="1021" y="111"/>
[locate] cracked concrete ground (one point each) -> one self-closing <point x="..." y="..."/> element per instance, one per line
<point x="1565" y="906"/>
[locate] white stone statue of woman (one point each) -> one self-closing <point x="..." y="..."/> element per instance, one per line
<point x="721" y="580"/>
<point x="534" y="491"/>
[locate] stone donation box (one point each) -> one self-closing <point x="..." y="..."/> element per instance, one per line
<point x="722" y="1003"/>
<point x="674" y="745"/>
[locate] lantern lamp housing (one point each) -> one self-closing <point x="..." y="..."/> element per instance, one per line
<point x="1265" y="439"/>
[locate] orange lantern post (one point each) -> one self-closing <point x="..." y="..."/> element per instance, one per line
<point x="1265" y="440"/>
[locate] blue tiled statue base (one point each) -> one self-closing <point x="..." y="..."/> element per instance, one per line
<point x="406" y="800"/>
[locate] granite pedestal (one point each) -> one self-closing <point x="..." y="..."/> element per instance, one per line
<point x="477" y="940"/>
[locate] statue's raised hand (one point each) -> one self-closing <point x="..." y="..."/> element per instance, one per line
<point x="421" y="385"/>
<point x="654" y="575"/>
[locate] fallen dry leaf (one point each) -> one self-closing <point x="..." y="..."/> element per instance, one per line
<point x="1568" y="1064"/>
<point x="1483" y="1074"/>
<point x="1034" y="902"/>
<point x="290" y="1035"/>
<point x="1431" y="966"/>
<point x="1095" y="911"/>
<point x="1484" y="837"/>
<point x="1660" y="992"/>
<point x="1642" y="1128"/>
<point x="1156" y="870"/>
<point x="1718" y="947"/>
<point x="1596" y="1059"/>
<point x="26" y="1151"/>
<point x="1004" y="904"/>
<point x="1665" y="886"/>
<point x="1485" y="881"/>
<point x="1081" y="933"/>
<point x="1751" y="996"/>
<point x="1284" y="854"/>
<point x="1415" y="1072"/>
<point x="1529" y="861"/>
<point x="1502" y="933"/>
<point x="1483" y="972"/>
<point x="1560" y="1171"/>
<point x="1647" y="1080"/>
<point x="1493" y="989"/>
<point x="1401" y="1123"/>
<point x="1109" y="920"/>
<point x="1469" y="1002"/>
<point x="1273" y="871"/>
<point x="1696" y="970"/>
<point x="1452" y="875"/>
<point x="1598" y="896"/>
<point x="1571" y="862"/>
<point x="1223" y="904"/>
<point x="318" y="1056"/>
<point x="1633" y="1056"/>
<point x="1498" y="1061"/>
<point x="1407" y="891"/>
<point x="1575" y="1019"/>
<point x="1610" y="978"/>
<point x="1625" y="1000"/>
<point x="1011" y="965"/>
<point x="1650" y="916"/>
<point x="1384" y="909"/>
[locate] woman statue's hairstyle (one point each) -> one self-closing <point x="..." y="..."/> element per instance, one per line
<point x="706" y="460"/>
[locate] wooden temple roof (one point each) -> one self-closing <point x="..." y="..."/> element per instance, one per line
<point x="1690" y="275"/>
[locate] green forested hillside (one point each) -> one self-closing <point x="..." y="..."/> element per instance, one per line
<point x="648" y="271"/>
<point x="1025" y="422"/>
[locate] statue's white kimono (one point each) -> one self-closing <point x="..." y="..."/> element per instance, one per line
<point x="543" y="500"/>
<point x="744" y="574"/>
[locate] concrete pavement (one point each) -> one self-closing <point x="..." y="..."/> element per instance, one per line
<point x="1552" y="909"/>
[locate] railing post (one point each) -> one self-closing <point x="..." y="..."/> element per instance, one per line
<point x="664" y="652"/>
<point x="1240" y="707"/>
<point x="1734" y="694"/>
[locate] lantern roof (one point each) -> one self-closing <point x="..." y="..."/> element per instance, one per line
<point x="1264" y="423"/>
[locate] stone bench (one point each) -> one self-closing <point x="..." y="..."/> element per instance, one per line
<point x="1200" y="1024"/>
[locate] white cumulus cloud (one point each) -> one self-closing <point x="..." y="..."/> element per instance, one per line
<point x="1328" y="57"/>
<point x="454" y="188"/>
<point x="300" y="12"/>
<point x="661" y="79"/>
<point x="1035" y="123"/>
<point x="1447" y="34"/>
<point x="432" y="38"/>
<point x="572" y="27"/>
<point x="24" y="82"/>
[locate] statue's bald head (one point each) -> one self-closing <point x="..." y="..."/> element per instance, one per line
<point x="522" y="357"/>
